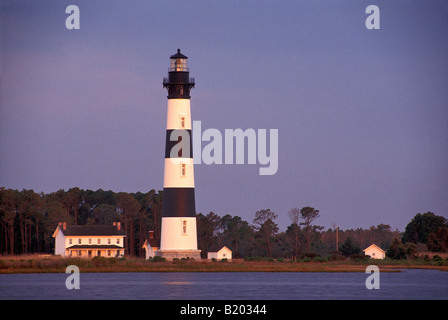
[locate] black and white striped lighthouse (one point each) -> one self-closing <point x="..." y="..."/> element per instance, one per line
<point x="179" y="234"/>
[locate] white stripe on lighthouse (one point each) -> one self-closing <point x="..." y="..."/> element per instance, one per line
<point x="179" y="114"/>
<point x="179" y="173"/>
<point x="179" y="233"/>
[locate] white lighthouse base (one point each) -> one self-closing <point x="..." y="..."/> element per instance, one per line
<point x="179" y="254"/>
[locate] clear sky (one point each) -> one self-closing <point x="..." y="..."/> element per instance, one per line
<point x="362" y="114"/>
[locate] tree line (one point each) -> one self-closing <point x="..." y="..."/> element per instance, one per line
<point x="28" y="220"/>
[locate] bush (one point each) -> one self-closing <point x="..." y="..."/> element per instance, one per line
<point x="359" y="257"/>
<point x="437" y="258"/>
<point x="268" y="259"/>
<point x="99" y="261"/>
<point x="158" y="259"/>
<point x="319" y="259"/>
<point x="310" y="255"/>
<point x="251" y="259"/>
<point x="80" y="262"/>
<point x="224" y="260"/>
<point x="335" y="256"/>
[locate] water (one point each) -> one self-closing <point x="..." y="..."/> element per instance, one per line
<point x="408" y="285"/>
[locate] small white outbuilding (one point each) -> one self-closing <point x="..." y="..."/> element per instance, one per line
<point x="223" y="253"/>
<point x="374" y="252"/>
<point x="151" y="245"/>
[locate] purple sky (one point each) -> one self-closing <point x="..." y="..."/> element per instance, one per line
<point x="362" y="114"/>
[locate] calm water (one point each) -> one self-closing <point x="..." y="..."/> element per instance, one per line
<point x="408" y="284"/>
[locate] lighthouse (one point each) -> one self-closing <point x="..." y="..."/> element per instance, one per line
<point x="179" y="234"/>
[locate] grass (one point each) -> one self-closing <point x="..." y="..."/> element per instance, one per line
<point x="54" y="264"/>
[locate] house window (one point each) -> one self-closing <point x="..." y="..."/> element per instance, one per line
<point x="99" y="241"/>
<point x="118" y="240"/>
<point x="184" y="226"/>
<point x="70" y="241"/>
<point x="79" y="241"/>
<point x="90" y="241"/>
<point x="183" y="169"/>
<point x="373" y="254"/>
<point x="108" y="241"/>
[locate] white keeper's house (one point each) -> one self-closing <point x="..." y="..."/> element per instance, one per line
<point x="88" y="241"/>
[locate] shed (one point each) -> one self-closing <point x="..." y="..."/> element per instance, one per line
<point x="151" y="245"/>
<point x="374" y="252"/>
<point x="223" y="253"/>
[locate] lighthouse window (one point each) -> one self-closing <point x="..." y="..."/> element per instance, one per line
<point x="182" y="122"/>
<point x="183" y="170"/>
<point x="180" y="65"/>
<point x="184" y="226"/>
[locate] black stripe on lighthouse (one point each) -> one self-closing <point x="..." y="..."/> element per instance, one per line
<point x="178" y="202"/>
<point x="184" y="149"/>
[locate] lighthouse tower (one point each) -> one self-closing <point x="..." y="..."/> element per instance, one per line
<point x="178" y="235"/>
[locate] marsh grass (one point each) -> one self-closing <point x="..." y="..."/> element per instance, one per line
<point x="55" y="264"/>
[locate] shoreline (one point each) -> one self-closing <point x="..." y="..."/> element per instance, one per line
<point x="14" y="265"/>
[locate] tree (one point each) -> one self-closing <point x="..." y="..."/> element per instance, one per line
<point x="235" y="233"/>
<point x="421" y="226"/>
<point x="350" y="247"/>
<point x="308" y="214"/>
<point x="396" y="250"/>
<point x="206" y="230"/>
<point x="293" y="229"/>
<point x="129" y="207"/>
<point x="8" y="206"/>
<point x="104" y="214"/>
<point x="155" y="208"/>
<point x="438" y="240"/>
<point x="27" y="207"/>
<point x="73" y="200"/>
<point x="266" y="227"/>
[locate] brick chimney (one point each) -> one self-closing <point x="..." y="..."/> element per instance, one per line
<point x="64" y="225"/>
<point x="118" y="225"/>
<point x="151" y="234"/>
